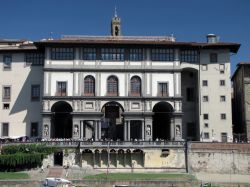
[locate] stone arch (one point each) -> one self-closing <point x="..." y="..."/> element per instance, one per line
<point x="112" y="121"/>
<point x="162" y="120"/>
<point x="61" y="120"/>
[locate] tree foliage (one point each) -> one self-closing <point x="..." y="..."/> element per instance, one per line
<point x="19" y="157"/>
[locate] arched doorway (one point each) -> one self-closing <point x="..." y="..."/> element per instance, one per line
<point x="112" y="121"/>
<point x="61" y="120"/>
<point x="162" y="121"/>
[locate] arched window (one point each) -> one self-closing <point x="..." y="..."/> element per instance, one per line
<point x="112" y="86"/>
<point x="89" y="86"/>
<point x="135" y="86"/>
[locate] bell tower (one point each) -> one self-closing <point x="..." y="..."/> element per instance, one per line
<point x="116" y="25"/>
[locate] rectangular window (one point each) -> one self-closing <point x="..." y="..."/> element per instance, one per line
<point x="205" y="116"/>
<point x="204" y="83"/>
<point x="35" y="92"/>
<point x="89" y="54"/>
<point x="61" y="89"/>
<point x="190" y="94"/>
<point x="222" y="98"/>
<point x="34" y="59"/>
<point x="162" y="54"/>
<point x="162" y="89"/>
<point x="6" y="93"/>
<point x="222" y="66"/>
<point x="205" y="98"/>
<point x="34" y="129"/>
<point x="223" y="137"/>
<point x="213" y="57"/>
<point x="204" y="67"/>
<point x="5" y="129"/>
<point x="135" y="54"/>
<point x="112" y="54"/>
<point x="222" y="83"/>
<point x="7" y="60"/>
<point x="189" y="56"/>
<point x="206" y="125"/>
<point x="206" y="135"/>
<point x="6" y="106"/>
<point x="62" y="53"/>
<point x="223" y="116"/>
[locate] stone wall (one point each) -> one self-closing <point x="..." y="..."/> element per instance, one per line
<point x="219" y="158"/>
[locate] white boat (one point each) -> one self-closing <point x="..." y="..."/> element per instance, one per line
<point x="56" y="182"/>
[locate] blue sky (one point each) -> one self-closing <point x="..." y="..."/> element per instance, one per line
<point x="188" y="20"/>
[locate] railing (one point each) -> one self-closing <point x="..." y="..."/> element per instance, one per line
<point x="104" y="144"/>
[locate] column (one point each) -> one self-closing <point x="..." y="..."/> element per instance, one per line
<point x="143" y="130"/>
<point x="128" y="124"/>
<point x="99" y="130"/>
<point x="172" y="130"/>
<point x="96" y="130"/>
<point x="149" y="128"/>
<point x="81" y="125"/>
<point x="125" y="131"/>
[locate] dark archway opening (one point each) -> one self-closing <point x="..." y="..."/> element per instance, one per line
<point x="58" y="158"/>
<point x="135" y="129"/>
<point x="162" y="121"/>
<point x="112" y="121"/>
<point x="61" y="120"/>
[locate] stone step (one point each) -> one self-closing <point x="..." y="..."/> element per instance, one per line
<point x="55" y="172"/>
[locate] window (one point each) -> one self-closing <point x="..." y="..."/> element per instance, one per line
<point x="223" y="137"/>
<point x="222" y="98"/>
<point x="213" y="57"/>
<point x="89" y="86"/>
<point x="206" y="135"/>
<point x="162" y="54"/>
<point x="89" y="54"/>
<point x="135" y="54"/>
<point x="205" y="98"/>
<point x="5" y="129"/>
<point x="61" y="89"/>
<point x="6" y="93"/>
<point x="223" y="116"/>
<point x="7" y="60"/>
<point x="222" y="71"/>
<point x="116" y="54"/>
<point x="112" y="85"/>
<point x="204" y="67"/>
<point x="6" y="106"/>
<point x="135" y="86"/>
<point x="62" y="53"/>
<point x="204" y="83"/>
<point x="34" y="129"/>
<point x="35" y="92"/>
<point x="222" y="83"/>
<point x="162" y="89"/>
<point x="206" y="125"/>
<point x="222" y="66"/>
<point x="190" y="94"/>
<point x="189" y="56"/>
<point x="35" y="59"/>
<point x="205" y="116"/>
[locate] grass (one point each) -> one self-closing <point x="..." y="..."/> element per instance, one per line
<point x="13" y="175"/>
<point x="141" y="176"/>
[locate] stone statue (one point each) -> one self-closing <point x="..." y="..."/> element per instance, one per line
<point x="76" y="130"/>
<point x="148" y="130"/>
<point x="177" y="131"/>
<point x="46" y="130"/>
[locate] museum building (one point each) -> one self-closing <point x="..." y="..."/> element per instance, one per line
<point x="116" y="87"/>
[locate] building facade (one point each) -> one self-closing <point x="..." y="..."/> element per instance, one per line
<point x="117" y="87"/>
<point x="241" y="99"/>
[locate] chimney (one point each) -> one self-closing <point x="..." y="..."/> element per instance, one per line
<point x="212" y="38"/>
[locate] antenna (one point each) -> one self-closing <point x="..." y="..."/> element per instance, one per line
<point x="50" y="36"/>
<point x="115" y="12"/>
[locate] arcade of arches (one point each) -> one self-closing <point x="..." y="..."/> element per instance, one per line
<point x="112" y="123"/>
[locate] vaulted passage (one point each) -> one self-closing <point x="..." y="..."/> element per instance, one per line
<point x="112" y="122"/>
<point x="162" y="121"/>
<point x="61" y="120"/>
